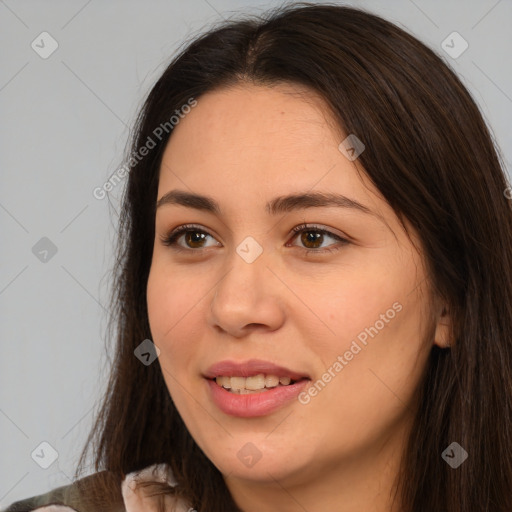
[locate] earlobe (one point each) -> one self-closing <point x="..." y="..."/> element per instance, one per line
<point x="442" y="336"/>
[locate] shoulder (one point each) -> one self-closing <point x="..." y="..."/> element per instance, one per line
<point x="140" y="498"/>
<point x="98" y="491"/>
<point x="104" y="492"/>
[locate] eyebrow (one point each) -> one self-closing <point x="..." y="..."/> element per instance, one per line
<point x="278" y="205"/>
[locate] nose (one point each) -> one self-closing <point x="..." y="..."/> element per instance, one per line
<point x="248" y="297"/>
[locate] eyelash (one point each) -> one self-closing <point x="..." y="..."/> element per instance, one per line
<point x="171" y="239"/>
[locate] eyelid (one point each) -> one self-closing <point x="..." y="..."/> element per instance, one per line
<point x="320" y="228"/>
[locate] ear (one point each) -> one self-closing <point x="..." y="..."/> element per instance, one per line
<point x="442" y="336"/>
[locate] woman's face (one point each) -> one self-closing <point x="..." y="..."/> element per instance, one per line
<point x="339" y="307"/>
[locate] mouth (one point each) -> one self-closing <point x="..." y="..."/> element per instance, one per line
<point x="259" y="383"/>
<point x="253" y="388"/>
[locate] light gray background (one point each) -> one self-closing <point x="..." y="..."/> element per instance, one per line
<point x="64" y="127"/>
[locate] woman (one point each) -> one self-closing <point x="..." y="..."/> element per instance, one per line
<point x="314" y="296"/>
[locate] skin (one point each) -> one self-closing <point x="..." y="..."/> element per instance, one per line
<point x="244" y="146"/>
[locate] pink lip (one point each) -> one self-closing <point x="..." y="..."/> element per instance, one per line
<point x="253" y="404"/>
<point x="250" y="368"/>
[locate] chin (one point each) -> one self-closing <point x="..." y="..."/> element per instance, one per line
<point x="257" y="461"/>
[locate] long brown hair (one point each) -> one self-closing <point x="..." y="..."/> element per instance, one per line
<point x="430" y="154"/>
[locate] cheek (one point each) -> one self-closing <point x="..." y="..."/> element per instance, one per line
<point x="381" y="372"/>
<point x="175" y="308"/>
<point x="377" y="326"/>
<point x="168" y="300"/>
<point x="348" y="307"/>
<point x="371" y="396"/>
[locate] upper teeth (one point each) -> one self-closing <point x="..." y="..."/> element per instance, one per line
<point x="253" y="383"/>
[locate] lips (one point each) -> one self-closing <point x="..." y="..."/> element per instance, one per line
<point x="251" y="368"/>
<point x="245" y="403"/>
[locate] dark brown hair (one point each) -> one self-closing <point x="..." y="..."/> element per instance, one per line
<point x="430" y="154"/>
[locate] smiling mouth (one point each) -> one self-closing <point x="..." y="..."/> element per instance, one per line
<point x="254" y="384"/>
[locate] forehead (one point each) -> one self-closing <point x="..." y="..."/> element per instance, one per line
<point x="256" y="137"/>
<point x="249" y="107"/>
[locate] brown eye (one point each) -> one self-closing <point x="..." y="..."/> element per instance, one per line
<point x="194" y="238"/>
<point x="312" y="238"/>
